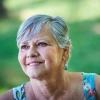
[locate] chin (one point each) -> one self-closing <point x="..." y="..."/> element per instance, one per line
<point x="35" y="74"/>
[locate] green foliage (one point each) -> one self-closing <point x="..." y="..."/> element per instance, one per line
<point x="85" y="49"/>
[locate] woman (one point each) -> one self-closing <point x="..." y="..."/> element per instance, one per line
<point x="44" y="50"/>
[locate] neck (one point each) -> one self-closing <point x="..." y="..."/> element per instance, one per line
<point x="50" y="86"/>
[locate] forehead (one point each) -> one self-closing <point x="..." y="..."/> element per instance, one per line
<point x="43" y="34"/>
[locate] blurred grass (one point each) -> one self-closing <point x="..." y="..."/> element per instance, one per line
<point x="10" y="73"/>
<point x="84" y="29"/>
<point x="85" y="50"/>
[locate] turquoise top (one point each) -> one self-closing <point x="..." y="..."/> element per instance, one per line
<point x="19" y="93"/>
<point x="89" y="86"/>
<point x="88" y="83"/>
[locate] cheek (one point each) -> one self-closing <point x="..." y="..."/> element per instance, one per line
<point x="21" y="58"/>
<point x="50" y="56"/>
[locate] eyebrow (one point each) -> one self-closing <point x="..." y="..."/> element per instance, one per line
<point x="25" y="42"/>
<point x="45" y="38"/>
<point x="38" y="39"/>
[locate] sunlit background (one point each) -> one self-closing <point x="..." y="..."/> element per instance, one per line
<point x="82" y="17"/>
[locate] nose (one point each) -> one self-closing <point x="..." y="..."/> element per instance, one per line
<point x="32" y="52"/>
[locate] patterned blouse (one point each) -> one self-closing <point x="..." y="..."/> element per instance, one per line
<point x="88" y="83"/>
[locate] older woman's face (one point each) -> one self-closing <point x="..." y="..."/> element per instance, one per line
<point x="41" y="56"/>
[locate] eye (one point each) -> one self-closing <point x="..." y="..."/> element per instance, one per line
<point x="42" y="44"/>
<point x="24" y="47"/>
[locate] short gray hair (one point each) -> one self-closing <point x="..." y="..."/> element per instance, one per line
<point x="57" y="26"/>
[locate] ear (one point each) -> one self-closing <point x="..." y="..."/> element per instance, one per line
<point x="65" y="54"/>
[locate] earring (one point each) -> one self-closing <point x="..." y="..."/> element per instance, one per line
<point x="66" y="66"/>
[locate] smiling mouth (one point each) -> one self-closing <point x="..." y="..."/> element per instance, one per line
<point x="35" y="63"/>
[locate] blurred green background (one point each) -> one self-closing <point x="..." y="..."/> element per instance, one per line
<point x="82" y="17"/>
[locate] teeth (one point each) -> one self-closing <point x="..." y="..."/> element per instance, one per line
<point x="34" y="63"/>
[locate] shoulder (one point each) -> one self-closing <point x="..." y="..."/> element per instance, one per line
<point x="81" y="76"/>
<point x="97" y="84"/>
<point x="15" y="92"/>
<point x="7" y="95"/>
<point x="75" y="79"/>
<point x="75" y="84"/>
<point x="75" y="76"/>
<point x="90" y="77"/>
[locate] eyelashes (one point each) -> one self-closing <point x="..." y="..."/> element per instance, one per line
<point x="37" y="45"/>
<point x="42" y="44"/>
<point x="24" y="46"/>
